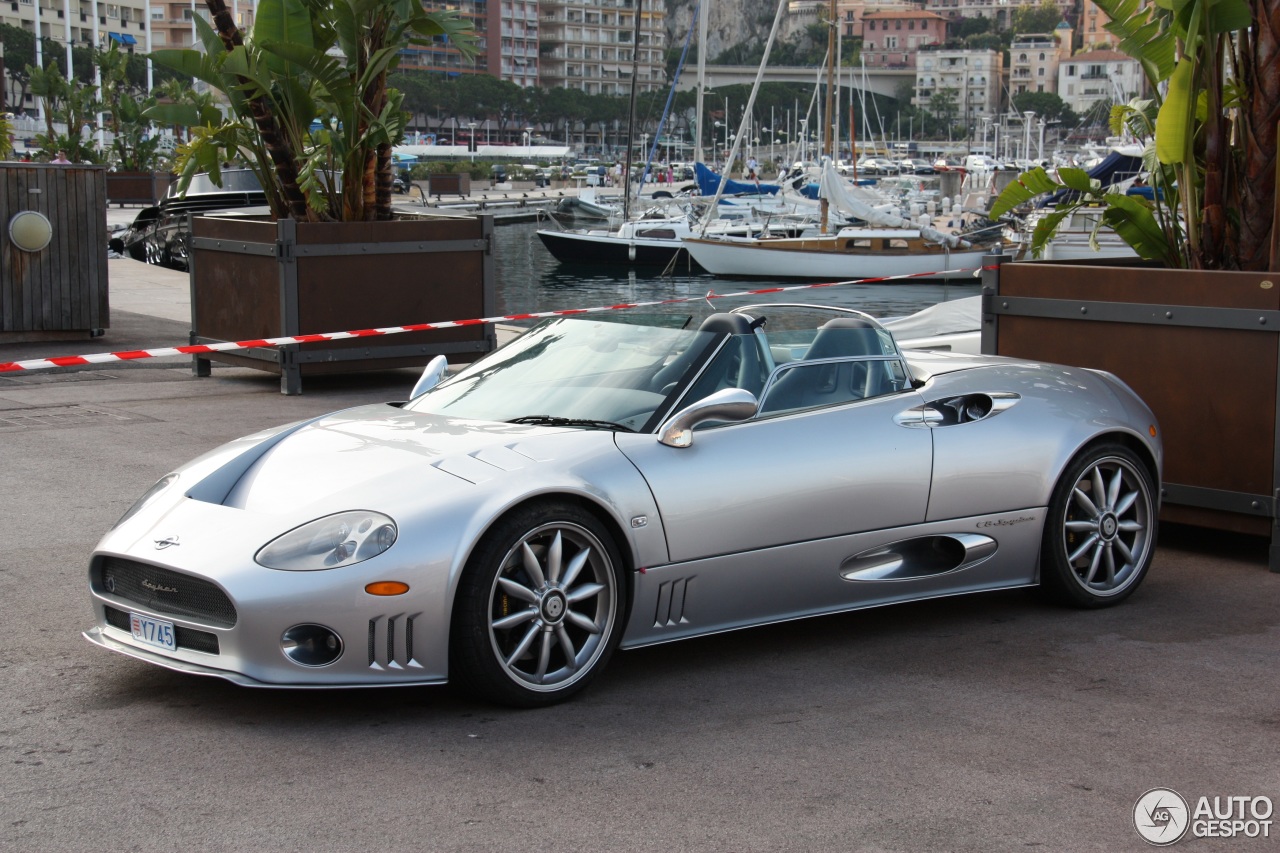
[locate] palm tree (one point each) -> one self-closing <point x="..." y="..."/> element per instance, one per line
<point x="312" y="111"/>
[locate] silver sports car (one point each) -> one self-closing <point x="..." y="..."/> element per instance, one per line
<point x="600" y="483"/>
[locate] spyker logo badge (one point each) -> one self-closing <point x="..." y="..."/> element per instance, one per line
<point x="155" y="587"/>
<point x="167" y="542"/>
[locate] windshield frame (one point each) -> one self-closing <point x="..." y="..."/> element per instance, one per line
<point x="685" y="352"/>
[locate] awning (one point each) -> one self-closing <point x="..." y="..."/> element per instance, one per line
<point x="122" y="38"/>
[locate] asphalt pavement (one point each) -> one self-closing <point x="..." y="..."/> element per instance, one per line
<point x="982" y="723"/>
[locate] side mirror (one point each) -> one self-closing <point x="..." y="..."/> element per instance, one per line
<point x="431" y="376"/>
<point x="731" y="404"/>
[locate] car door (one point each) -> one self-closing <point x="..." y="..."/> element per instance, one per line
<point x="788" y="478"/>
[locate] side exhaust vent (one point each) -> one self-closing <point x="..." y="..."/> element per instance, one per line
<point x="673" y="597"/>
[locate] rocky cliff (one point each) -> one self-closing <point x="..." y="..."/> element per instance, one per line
<point x="729" y="23"/>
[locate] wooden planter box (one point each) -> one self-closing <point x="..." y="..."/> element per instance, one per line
<point x="59" y="292"/>
<point x="458" y="183"/>
<point x="254" y="278"/>
<point x="1202" y="348"/>
<point x="138" y="187"/>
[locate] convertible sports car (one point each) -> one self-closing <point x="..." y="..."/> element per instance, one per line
<point x="598" y="483"/>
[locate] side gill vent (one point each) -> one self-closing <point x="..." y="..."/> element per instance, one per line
<point x="391" y="642"/>
<point x="673" y="597"/>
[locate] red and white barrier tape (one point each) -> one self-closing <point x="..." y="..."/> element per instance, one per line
<point x="224" y="346"/>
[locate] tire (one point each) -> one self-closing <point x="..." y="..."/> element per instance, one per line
<point x="539" y="607"/>
<point x="1095" y="553"/>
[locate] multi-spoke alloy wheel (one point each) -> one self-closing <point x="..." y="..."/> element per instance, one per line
<point x="1100" y="534"/>
<point x="537" y="613"/>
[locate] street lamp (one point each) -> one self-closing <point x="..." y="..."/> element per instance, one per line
<point x="487" y="140"/>
<point x="471" y="140"/>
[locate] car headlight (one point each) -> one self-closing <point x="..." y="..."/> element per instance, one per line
<point x="151" y="494"/>
<point x="342" y="539"/>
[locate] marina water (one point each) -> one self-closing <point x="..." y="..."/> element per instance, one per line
<point x="529" y="279"/>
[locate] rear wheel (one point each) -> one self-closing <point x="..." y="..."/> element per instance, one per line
<point x="1101" y="531"/>
<point x="539" y="607"/>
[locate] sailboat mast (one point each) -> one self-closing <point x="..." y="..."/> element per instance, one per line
<point x="631" y="115"/>
<point x="702" y="81"/>
<point x="827" y="113"/>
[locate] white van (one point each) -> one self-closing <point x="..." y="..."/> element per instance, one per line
<point x="980" y="163"/>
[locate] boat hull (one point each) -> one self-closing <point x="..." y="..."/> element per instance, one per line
<point x="772" y="259"/>
<point x="576" y="248"/>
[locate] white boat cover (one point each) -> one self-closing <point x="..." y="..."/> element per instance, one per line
<point x="945" y="318"/>
<point x="835" y="190"/>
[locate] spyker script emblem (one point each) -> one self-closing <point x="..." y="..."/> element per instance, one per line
<point x="155" y="587"/>
<point x="167" y="542"/>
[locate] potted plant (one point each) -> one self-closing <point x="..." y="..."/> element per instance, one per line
<point x="312" y="116"/>
<point x="135" y="152"/>
<point x="1198" y="335"/>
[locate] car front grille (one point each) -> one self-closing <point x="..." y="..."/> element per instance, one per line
<point x="184" y="638"/>
<point x="164" y="591"/>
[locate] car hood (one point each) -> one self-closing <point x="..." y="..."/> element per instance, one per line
<point x="373" y="453"/>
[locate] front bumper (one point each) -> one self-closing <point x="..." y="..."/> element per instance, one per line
<point x="101" y="637"/>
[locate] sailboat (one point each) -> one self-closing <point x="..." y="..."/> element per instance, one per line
<point x="888" y="244"/>
<point x="656" y="238"/>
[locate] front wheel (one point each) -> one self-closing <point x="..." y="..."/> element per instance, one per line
<point x="1101" y="532"/>
<point x="539" y="607"/>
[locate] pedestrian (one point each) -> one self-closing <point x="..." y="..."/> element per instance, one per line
<point x="752" y="166"/>
<point x="61" y="158"/>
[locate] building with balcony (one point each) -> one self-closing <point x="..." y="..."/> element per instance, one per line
<point x="63" y="22"/>
<point x="850" y="13"/>
<point x="589" y="45"/>
<point x="1093" y="33"/>
<point x="999" y="11"/>
<point x="1034" y="60"/>
<point x="890" y="39"/>
<point x="971" y="77"/>
<point x="172" y="23"/>
<point x="1099" y="77"/>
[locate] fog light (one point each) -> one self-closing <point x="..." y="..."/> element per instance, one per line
<point x="311" y="645"/>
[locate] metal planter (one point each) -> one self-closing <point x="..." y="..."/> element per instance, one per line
<point x="255" y="278"/>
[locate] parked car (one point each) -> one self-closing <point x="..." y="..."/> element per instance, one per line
<point x="595" y="485"/>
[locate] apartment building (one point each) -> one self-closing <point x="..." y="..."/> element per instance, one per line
<point x="589" y="44"/>
<point x="77" y="23"/>
<point x="890" y="39"/>
<point x="850" y="13"/>
<point x="1093" y="33"/>
<point x="172" y="23"/>
<point x="1099" y="77"/>
<point x="1034" y="60"/>
<point x="999" y="11"/>
<point x="973" y="77"/>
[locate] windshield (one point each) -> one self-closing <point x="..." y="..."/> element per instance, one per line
<point x="590" y="372"/>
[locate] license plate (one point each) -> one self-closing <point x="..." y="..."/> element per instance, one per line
<point x="153" y="632"/>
